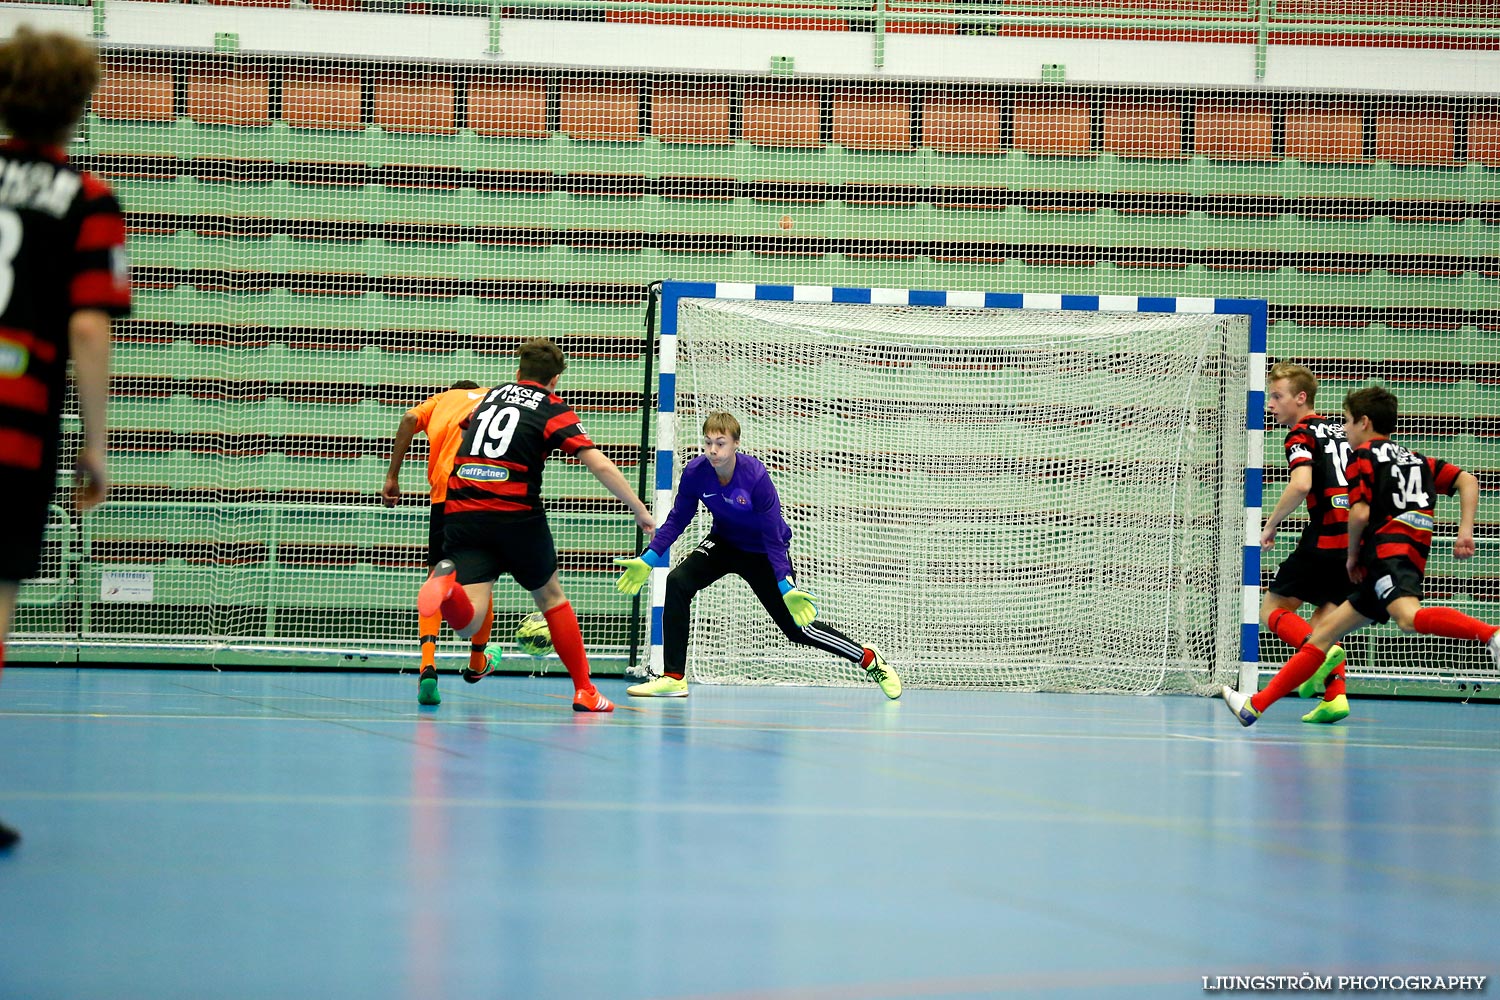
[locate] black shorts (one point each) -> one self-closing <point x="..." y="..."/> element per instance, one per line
<point x="435" y="545"/>
<point x="483" y="546"/>
<point x="1386" y="580"/>
<point x="1314" y="576"/>
<point x="25" y="499"/>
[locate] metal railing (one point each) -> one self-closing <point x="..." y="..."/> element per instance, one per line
<point x="1259" y="17"/>
<point x="1258" y="20"/>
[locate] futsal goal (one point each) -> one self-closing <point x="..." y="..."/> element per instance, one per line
<point x="1031" y="492"/>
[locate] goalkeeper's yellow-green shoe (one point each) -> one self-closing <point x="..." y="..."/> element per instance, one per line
<point x="1332" y="710"/>
<point x="660" y="687"/>
<point x="881" y="673"/>
<point x="1313" y="686"/>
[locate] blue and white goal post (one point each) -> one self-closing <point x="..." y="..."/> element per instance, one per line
<point x="1031" y="491"/>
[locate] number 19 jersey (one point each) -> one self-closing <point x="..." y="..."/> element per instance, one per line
<point x="498" y="468"/>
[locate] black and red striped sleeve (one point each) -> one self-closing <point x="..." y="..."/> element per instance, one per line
<point x="564" y="431"/>
<point x="1444" y="476"/>
<point x="1361" y="476"/>
<point x="101" y="268"/>
<point x="1300" y="446"/>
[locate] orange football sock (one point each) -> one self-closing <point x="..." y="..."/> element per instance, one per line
<point x="481" y="639"/>
<point x="427" y="628"/>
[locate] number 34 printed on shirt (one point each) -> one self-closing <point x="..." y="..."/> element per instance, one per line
<point x="1410" y="494"/>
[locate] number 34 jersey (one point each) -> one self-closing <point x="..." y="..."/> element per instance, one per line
<point x="1401" y="488"/>
<point x="507" y="438"/>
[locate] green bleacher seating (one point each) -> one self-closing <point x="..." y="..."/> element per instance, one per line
<point x="504" y="208"/>
<point x="675" y="159"/>
<point x="625" y="213"/>
<point x="883" y="168"/>
<point x="966" y="170"/>
<point x="635" y="158"/>
<point x="822" y="165"/>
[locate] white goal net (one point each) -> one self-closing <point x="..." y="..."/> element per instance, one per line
<point x="999" y="498"/>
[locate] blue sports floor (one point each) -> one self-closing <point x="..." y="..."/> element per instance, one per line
<point x="265" y="836"/>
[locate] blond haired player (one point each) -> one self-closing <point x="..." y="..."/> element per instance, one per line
<point x="1317" y="456"/>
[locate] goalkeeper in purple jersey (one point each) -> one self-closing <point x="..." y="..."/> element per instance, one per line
<point x="748" y="538"/>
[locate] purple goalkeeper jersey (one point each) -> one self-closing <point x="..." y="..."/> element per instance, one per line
<point x="746" y="510"/>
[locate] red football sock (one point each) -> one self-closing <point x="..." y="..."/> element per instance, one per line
<point x="457" y="609"/>
<point x="481" y="639"/>
<point x="1451" y="624"/>
<point x="568" y="642"/>
<point x="1303" y="664"/>
<point x="427" y="629"/>
<point x="1290" y="627"/>
<point x="1334" y="685"/>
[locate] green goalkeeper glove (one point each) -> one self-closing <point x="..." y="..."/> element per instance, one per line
<point x="637" y="571"/>
<point x="800" y="603"/>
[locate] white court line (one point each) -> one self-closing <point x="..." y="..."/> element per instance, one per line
<point x="729" y="726"/>
<point x="260" y="800"/>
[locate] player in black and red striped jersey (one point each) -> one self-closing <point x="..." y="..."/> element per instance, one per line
<point x="1392" y="496"/>
<point x="63" y="275"/>
<point x="1316" y="455"/>
<point x="493" y="517"/>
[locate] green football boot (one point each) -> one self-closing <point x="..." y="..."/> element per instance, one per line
<point x="1332" y="710"/>
<point x="427" y="690"/>
<point x="1313" y="686"/>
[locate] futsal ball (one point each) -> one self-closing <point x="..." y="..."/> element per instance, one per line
<point x="533" y="635"/>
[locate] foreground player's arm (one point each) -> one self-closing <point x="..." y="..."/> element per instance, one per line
<point x="1298" y="486"/>
<point x="1361" y="475"/>
<point x="612" y="479"/>
<point x="637" y="569"/>
<point x="390" y="494"/>
<point x="1467" y="488"/>
<point x="88" y="339"/>
<point x="1359" y="520"/>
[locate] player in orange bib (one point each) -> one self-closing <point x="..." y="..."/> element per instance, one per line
<point x="440" y="417"/>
